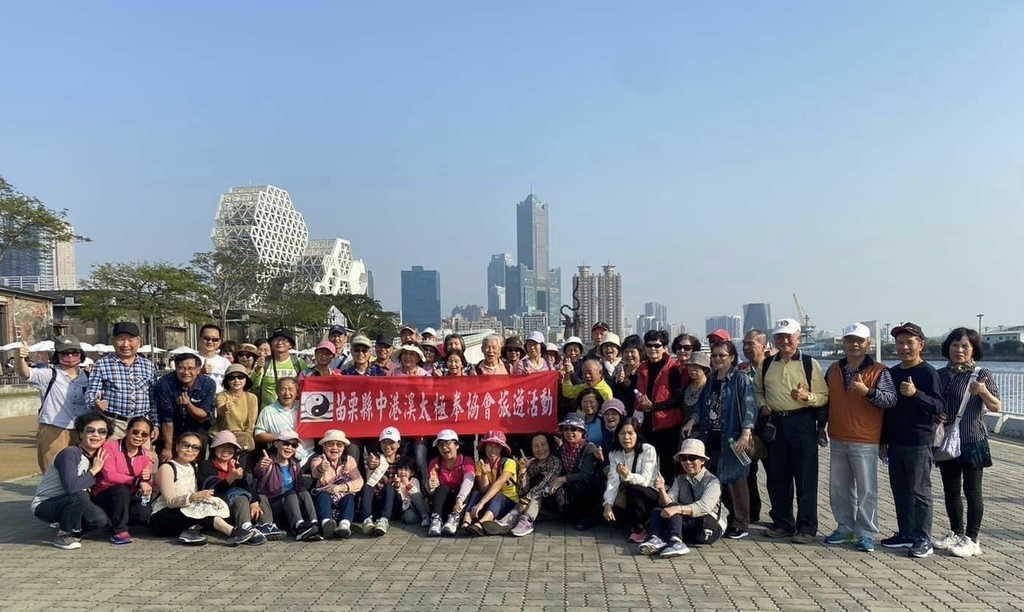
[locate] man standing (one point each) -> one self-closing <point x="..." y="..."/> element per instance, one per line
<point x="281" y="364"/>
<point x="597" y="333"/>
<point x="214" y="364"/>
<point x="908" y="430"/>
<point x="859" y="391"/>
<point x="361" y="365"/>
<point x="121" y="384"/>
<point x="338" y="335"/>
<point x="184" y="402"/>
<point x="791" y="388"/>
<point x="383" y="349"/>
<point x="754" y="345"/>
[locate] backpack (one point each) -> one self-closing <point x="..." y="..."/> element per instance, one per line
<point x="53" y="379"/>
<point x="273" y="363"/>
<point x="808" y="363"/>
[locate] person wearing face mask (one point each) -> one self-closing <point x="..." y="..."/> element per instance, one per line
<point x="63" y="494"/>
<point x="62" y="387"/>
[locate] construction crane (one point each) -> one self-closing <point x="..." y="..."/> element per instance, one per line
<point x="805" y="321"/>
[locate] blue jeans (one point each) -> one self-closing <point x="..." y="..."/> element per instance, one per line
<point x="384" y="504"/>
<point x="679" y="527"/>
<point x="853" y="487"/>
<point x="325" y="509"/>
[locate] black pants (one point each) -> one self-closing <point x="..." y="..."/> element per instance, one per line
<point x="639" y="503"/>
<point x="442" y="501"/>
<point x="957" y="476"/>
<point x="292" y="508"/>
<point x="580" y="502"/>
<point x="75" y="512"/>
<point x="170" y="522"/>
<point x="910" y="470"/>
<point x="794" y="462"/>
<point x="666" y="443"/>
<point x="122" y="507"/>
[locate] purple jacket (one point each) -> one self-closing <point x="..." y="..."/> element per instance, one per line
<point x="271" y="481"/>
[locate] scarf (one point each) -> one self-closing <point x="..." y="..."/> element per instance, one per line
<point x="571" y="455"/>
<point x="955" y="369"/>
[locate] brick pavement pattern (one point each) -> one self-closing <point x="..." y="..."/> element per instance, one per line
<point x="554" y="569"/>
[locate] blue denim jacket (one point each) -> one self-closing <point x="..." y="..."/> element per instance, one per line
<point x="737" y="414"/>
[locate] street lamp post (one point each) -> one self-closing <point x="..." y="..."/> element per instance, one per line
<point x="979" y="323"/>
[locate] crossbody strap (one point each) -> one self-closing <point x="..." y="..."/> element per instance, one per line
<point x="967" y="394"/>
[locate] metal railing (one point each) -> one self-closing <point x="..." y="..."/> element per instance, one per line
<point x="1011" y="390"/>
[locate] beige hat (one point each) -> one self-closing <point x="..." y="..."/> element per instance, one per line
<point x="334" y="435"/>
<point x="412" y="348"/>
<point x="700" y="359"/>
<point x="361" y="340"/>
<point x="691" y="447"/>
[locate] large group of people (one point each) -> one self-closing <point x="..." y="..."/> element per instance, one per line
<point x="655" y="436"/>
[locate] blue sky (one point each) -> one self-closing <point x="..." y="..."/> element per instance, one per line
<point x="868" y="156"/>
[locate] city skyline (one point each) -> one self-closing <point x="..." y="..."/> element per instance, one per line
<point x="421" y="298"/>
<point x="621" y="118"/>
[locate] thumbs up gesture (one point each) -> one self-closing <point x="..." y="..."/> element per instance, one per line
<point x="801" y="393"/>
<point x="907" y="388"/>
<point x="265" y="461"/>
<point x="23" y="351"/>
<point x="435" y="478"/>
<point x="857" y="386"/>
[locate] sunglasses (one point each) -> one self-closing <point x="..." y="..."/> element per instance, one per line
<point x="190" y="447"/>
<point x="654" y="345"/>
<point x="684" y="347"/>
<point x="360" y="349"/>
<point x="290" y="444"/>
<point x="689" y="458"/>
<point x="102" y="431"/>
<point x="235" y="377"/>
<point x="138" y="432"/>
<point x="209" y="339"/>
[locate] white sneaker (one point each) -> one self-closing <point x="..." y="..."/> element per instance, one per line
<point x="368" y="526"/>
<point x="947" y="543"/>
<point x="966" y="547"/>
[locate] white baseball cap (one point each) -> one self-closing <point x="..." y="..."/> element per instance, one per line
<point x="858" y="330"/>
<point x="430" y="331"/>
<point x="786" y="326"/>
<point x="391" y="433"/>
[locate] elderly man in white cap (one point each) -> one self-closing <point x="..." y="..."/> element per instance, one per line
<point x="791" y="388"/>
<point x="689" y="510"/>
<point x="859" y="391"/>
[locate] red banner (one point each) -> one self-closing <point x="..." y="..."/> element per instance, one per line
<point x="421" y="406"/>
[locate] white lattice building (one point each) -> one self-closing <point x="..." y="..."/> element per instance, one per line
<point x="328" y="268"/>
<point x="261" y="220"/>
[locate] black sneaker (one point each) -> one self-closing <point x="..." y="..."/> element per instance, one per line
<point x="192" y="536"/>
<point x="271" y="531"/>
<point x="305" y="531"/>
<point x="734" y="533"/>
<point x="327" y="528"/>
<point x="922" y="548"/>
<point x="240" y="536"/>
<point x="898" y="541"/>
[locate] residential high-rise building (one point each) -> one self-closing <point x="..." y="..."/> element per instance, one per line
<point x="730" y="323"/>
<point x="554" y="296"/>
<point x="645" y="323"/>
<point x="586" y="293"/>
<point x="532" y="236"/>
<point x="421" y="297"/>
<point x="757" y="316"/>
<point x="369" y="284"/>
<point x="51" y="267"/>
<point x="609" y="291"/>
<point x="536" y="321"/>
<point x="262" y="220"/>
<point x="497" y="279"/>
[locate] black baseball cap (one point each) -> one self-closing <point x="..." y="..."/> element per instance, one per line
<point x="908" y="328"/>
<point x="281" y="332"/>
<point x="384" y="339"/>
<point x="339" y="329"/>
<point x="126" y="327"/>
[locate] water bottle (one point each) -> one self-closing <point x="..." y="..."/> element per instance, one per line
<point x="741" y="455"/>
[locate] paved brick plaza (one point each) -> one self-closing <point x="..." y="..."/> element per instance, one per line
<point x="554" y="569"/>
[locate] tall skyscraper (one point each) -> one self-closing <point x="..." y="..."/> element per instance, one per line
<point x="730" y="323"/>
<point x="497" y="282"/>
<point x="757" y="316"/>
<point x="421" y="297"/>
<point x="51" y="267"/>
<point x="659" y="312"/>
<point x="587" y="294"/>
<point x="609" y="289"/>
<point x="532" y="236"/>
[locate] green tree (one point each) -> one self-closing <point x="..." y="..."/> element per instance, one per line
<point x="234" y="280"/>
<point x="26" y="223"/>
<point x="149" y="293"/>
<point x="367" y="316"/>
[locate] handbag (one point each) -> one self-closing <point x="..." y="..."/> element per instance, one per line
<point x="757" y="448"/>
<point x="948" y="446"/>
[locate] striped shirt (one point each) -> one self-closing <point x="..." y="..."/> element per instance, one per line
<point x="972" y="423"/>
<point x="127" y="389"/>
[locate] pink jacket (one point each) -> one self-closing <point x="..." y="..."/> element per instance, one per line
<point x="116" y="469"/>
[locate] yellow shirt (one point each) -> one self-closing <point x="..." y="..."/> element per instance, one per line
<point x="782" y="377"/>
<point x="234" y="415"/>
<point x="510" y="489"/>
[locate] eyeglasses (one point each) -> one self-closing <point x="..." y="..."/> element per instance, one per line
<point x="209" y="339"/>
<point x="93" y="430"/>
<point x="654" y="345"/>
<point x="689" y="458"/>
<point x="190" y="447"/>
<point x="290" y="444"/>
<point x="684" y="347"/>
